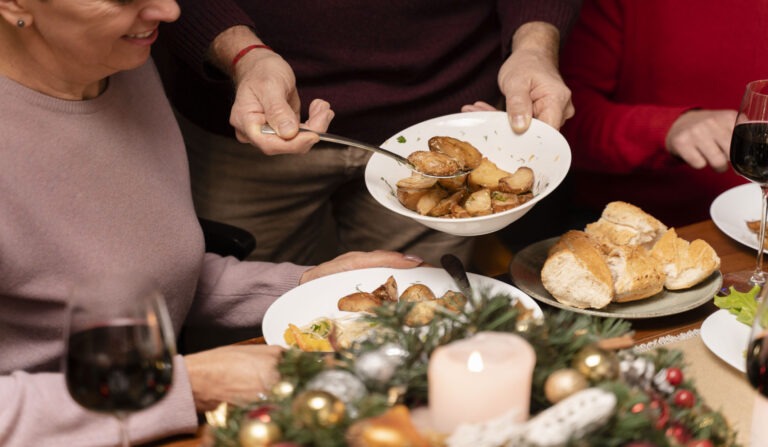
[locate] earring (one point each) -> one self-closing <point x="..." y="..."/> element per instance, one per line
<point x="20" y="23"/>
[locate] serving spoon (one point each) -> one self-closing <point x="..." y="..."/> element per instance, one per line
<point x="268" y="130"/>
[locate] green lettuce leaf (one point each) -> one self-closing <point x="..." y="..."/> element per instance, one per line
<point x="741" y="304"/>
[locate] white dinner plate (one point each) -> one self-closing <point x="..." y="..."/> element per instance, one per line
<point x="731" y="210"/>
<point x="320" y="297"/>
<point x="727" y="338"/>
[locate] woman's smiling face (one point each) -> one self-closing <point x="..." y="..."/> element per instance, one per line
<point x="98" y="37"/>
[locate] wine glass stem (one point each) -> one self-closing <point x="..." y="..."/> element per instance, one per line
<point x="122" y="419"/>
<point x="758" y="277"/>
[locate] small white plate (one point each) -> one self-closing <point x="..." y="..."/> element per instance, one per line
<point x="727" y="338"/>
<point x="731" y="210"/>
<point x="320" y="297"/>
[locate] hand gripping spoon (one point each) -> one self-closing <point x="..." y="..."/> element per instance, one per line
<point x="267" y="130"/>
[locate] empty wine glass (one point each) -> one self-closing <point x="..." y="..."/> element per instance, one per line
<point x="120" y="347"/>
<point x="749" y="158"/>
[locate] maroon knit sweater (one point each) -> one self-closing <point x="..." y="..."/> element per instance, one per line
<point x="383" y="66"/>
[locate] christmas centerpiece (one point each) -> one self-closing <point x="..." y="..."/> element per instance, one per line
<point x="491" y="375"/>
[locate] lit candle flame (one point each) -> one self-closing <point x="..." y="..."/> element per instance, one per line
<point x="475" y="362"/>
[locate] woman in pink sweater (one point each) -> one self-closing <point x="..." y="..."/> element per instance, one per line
<point x="93" y="179"/>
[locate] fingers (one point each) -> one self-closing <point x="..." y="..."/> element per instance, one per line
<point x="478" y="106"/>
<point x="358" y="260"/>
<point x="519" y="110"/>
<point x="320" y="115"/>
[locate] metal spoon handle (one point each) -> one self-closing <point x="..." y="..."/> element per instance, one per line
<point x="267" y="129"/>
<point x="455" y="268"/>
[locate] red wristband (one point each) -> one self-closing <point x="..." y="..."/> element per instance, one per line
<point x="245" y="51"/>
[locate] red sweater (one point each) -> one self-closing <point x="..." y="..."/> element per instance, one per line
<point x="634" y="66"/>
<point x="383" y="66"/>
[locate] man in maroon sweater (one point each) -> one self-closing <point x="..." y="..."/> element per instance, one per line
<point x="381" y="66"/>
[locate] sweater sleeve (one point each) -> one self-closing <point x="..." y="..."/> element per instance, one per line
<point x="606" y="135"/>
<point x="200" y="22"/>
<point x="514" y="13"/>
<point x="236" y="294"/>
<point x="37" y="410"/>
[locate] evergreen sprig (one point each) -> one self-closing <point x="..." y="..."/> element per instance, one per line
<point x="556" y="339"/>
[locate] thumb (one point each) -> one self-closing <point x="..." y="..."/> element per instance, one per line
<point x="281" y="117"/>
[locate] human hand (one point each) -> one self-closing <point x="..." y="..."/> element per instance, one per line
<point x="236" y="374"/>
<point x="478" y="106"/>
<point x="358" y="260"/>
<point x="266" y="93"/>
<point x="702" y="137"/>
<point x="530" y="80"/>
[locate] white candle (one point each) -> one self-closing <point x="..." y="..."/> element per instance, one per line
<point x="479" y="378"/>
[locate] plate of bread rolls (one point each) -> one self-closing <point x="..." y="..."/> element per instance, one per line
<point x="627" y="264"/>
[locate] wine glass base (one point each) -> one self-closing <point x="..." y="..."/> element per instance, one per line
<point x="742" y="281"/>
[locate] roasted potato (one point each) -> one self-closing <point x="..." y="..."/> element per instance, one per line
<point x="434" y="163"/>
<point x="479" y="203"/>
<point x="486" y="175"/>
<point x="410" y="198"/>
<point x="430" y="200"/>
<point x="519" y="182"/>
<point x="359" y="302"/>
<point x="446" y="205"/>
<point x="421" y="314"/>
<point x="417" y="293"/>
<point x="387" y="291"/>
<point x="467" y="155"/>
<point x="417" y="181"/>
<point x="453" y="301"/>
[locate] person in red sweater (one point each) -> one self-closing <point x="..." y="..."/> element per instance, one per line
<point x="373" y="68"/>
<point x="657" y="85"/>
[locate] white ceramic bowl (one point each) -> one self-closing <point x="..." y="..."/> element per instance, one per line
<point x="542" y="148"/>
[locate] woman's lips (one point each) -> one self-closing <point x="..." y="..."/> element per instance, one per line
<point x="145" y="38"/>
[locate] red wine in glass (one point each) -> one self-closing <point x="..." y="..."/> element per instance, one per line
<point x="120" y="346"/>
<point x="109" y="372"/>
<point x="749" y="158"/>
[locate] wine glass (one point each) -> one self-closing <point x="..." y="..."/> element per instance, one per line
<point x="749" y="158"/>
<point x="120" y="347"/>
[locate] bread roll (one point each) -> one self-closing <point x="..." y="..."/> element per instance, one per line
<point x="625" y="224"/>
<point x="685" y="264"/>
<point x="576" y="273"/>
<point x="636" y="275"/>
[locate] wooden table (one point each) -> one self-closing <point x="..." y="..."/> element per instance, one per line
<point x="733" y="256"/>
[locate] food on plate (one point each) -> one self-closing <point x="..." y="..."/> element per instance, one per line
<point x="467" y="156"/>
<point x="626" y="255"/>
<point x="576" y="273"/>
<point x="486" y="189"/>
<point x="312" y="337"/>
<point x="326" y="334"/>
<point x="685" y="263"/>
<point x="622" y="223"/>
<point x="426" y="303"/>
<point x="754" y="226"/>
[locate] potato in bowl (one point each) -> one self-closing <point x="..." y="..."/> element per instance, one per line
<point x="542" y="149"/>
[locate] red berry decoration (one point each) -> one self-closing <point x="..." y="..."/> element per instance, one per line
<point x="661" y="408"/>
<point x="262" y="413"/>
<point x="678" y="433"/>
<point x="685" y="399"/>
<point x="700" y="443"/>
<point x="674" y="376"/>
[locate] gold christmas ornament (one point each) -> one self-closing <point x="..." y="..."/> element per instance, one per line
<point x="393" y="428"/>
<point x="563" y="383"/>
<point x="257" y="433"/>
<point x="316" y="408"/>
<point x="596" y="364"/>
<point x="283" y="390"/>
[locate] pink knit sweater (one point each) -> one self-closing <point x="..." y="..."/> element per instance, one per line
<point x="86" y="187"/>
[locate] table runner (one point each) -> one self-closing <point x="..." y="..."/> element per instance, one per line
<point x="723" y="387"/>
